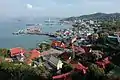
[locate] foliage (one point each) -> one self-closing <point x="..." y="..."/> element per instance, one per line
<point x="4" y="52"/>
<point x="42" y="68"/>
<point x="115" y="59"/>
<point x="20" y="72"/>
<point x="111" y="25"/>
<point x="77" y="76"/>
<point x="109" y="68"/>
<point x="44" y="46"/>
<point x="96" y="16"/>
<point x="113" y="78"/>
<point x="95" y="73"/>
<point x="66" y="68"/>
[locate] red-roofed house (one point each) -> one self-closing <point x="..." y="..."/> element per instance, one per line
<point x="79" y="67"/>
<point x="58" y="44"/>
<point x="103" y="63"/>
<point x="17" y="51"/>
<point x="33" y="55"/>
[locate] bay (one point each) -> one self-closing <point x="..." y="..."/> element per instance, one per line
<point x="8" y="40"/>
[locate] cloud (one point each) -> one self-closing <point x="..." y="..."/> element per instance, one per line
<point x="29" y="6"/>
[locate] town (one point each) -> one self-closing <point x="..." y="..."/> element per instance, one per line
<point x="87" y="51"/>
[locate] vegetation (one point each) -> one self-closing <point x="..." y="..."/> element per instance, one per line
<point x="11" y="71"/>
<point x="95" y="73"/>
<point x="66" y="68"/>
<point x="111" y="25"/>
<point x="44" y="46"/>
<point x="4" y="52"/>
<point x="96" y="16"/>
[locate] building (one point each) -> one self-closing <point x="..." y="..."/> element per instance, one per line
<point x="17" y="53"/>
<point x="55" y="62"/>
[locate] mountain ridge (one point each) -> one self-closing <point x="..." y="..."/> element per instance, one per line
<point x="96" y="16"/>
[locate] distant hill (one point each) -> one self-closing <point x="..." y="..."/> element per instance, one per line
<point x="96" y="16"/>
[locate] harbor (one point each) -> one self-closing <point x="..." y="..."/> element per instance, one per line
<point x="80" y="47"/>
<point x="59" y="40"/>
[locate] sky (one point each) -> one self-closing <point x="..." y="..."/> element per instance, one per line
<point x="56" y="8"/>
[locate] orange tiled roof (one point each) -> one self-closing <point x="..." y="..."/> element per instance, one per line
<point x="16" y="51"/>
<point x="34" y="54"/>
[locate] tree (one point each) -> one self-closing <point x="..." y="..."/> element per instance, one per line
<point x="20" y="72"/>
<point x="95" y="73"/>
<point x="4" y="52"/>
<point x="44" y="46"/>
<point x="66" y="68"/>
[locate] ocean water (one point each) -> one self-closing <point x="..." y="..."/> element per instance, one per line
<point x="8" y="40"/>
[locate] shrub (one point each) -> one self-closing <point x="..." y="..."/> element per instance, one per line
<point x="20" y="72"/>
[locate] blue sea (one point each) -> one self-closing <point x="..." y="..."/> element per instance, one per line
<point x="8" y="40"/>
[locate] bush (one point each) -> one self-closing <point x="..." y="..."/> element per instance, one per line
<point x="66" y="68"/>
<point x="95" y="73"/>
<point x="20" y="72"/>
<point x="4" y="52"/>
<point x="44" y="46"/>
<point x="109" y="68"/>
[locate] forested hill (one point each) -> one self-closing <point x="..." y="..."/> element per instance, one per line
<point x="96" y="16"/>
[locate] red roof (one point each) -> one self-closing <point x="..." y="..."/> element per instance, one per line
<point x="58" y="44"/>
<point x="16" y="51"/>
<point x="34" y="54"/>
<point x="65" y="76"/>
<point x="104" y="62"/>
<point x="79" y="67"/>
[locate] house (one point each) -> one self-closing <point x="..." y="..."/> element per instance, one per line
<point x="79" y="67"/>
<point x="17" y="53"/>
<point x="51" y="52"/>
<point x="33" y="54"/>
<point x="103" y="63"/>
<point x="47" y="66"/>
<point x="58" y="44"/>
<point x="55" y="62"/>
